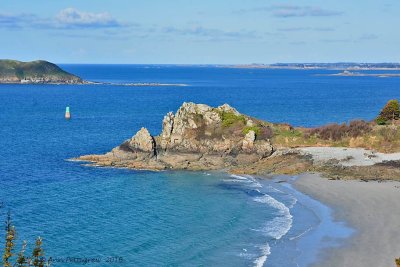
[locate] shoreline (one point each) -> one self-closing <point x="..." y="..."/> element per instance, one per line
<point x="98" y="83"/>
<point x="371" y="208"/>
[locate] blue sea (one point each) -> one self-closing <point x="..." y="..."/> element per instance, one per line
<point x="117" y="217"/>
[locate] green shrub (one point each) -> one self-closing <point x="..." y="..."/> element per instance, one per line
<point x="391" y="111"/>
<point x="290" y="133"/>
<point x="229" y="118"/>
<point x="380" y="120"/>
<point x="255" y="129"/>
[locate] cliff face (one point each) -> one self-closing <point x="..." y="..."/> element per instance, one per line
<point x="196" y="137"/>
<point x="12" y="71"/>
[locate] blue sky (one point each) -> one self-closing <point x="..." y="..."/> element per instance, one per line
<point x="200" y="32"/>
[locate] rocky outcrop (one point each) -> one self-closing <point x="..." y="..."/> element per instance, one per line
<point x="200" y="137"/>
<point x="196" y="137"/>
<point x="142" y="141"/>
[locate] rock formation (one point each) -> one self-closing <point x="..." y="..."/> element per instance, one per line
<point x="196" y="137"/>
<point x="200" y="137"/>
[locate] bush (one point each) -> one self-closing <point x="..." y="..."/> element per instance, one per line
<point x="380" y="120"/>
<point x="229" y="118"/>
<point x="262" y="132"/>
<point x="397" y="262"/>
<point x="255" y="129"/>
<point x="358" y="127"/>
<point x="389" y="134"/>
<point x="336" y="132"/>
<point x="265" y="133"/>
<point x="391" y="111"/>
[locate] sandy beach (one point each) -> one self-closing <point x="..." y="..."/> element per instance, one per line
<point x="371" y="208"/>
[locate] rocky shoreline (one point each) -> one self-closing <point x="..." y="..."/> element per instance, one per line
<point x="199" y="137"/>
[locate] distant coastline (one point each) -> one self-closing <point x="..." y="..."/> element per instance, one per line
<point x="25" y="82"/>
<point x="319" y="66"/>
<point x="44" y="72"/>
<point x="347" y="73"/>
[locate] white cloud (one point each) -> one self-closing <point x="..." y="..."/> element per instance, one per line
<point x="71" y="17"/>
<point x="369" y="36"/>
<point x="289" y="11"/>
<point x="286" y="11"/>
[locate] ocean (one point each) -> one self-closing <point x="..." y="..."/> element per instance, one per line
<point x="117" y="217"/>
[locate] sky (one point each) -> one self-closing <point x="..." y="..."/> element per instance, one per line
<point x="200" y="31"/>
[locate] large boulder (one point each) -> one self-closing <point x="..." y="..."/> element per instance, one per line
<point x="142" y="141"/>
<point x="248" y="141"/>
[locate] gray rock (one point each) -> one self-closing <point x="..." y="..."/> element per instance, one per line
<point x="194" y="138"/>
<point x="142" y="141"/>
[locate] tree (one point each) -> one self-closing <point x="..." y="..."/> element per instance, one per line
<point x="391" y="111"/>
<point x="38" y="253"/>
<point x="21" y="261"/>
<point x="9" y="247"/>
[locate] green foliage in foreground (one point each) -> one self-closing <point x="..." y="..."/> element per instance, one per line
<point x="285" y="132"/>
<point x="255" y="129"/>
<point x="390" y="112"/>
<point x="37" y="258"/>
<point x="9" y="246"/>
<point x="230" y="118"/>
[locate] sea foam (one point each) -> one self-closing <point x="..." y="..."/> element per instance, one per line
<point x="265" y="251"/>
<point x="280" y="225"/>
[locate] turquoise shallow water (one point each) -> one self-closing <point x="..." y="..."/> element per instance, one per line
<point x="165" y="218"/>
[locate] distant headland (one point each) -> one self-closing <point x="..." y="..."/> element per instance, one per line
<point x="44" y="72"/>
<point x="35" y="72"/>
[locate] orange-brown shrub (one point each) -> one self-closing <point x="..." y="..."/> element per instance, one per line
<point x="336" y="131"/>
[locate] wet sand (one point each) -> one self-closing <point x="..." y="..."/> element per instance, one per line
<point x="371" y="208"/>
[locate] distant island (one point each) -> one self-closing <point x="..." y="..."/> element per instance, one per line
<point x="328" y="66"/>
<point x="200" y="137"/>
<point x="347" y="73"/>
<point x="35" y="72"/>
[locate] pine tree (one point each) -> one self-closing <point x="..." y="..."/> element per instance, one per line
<point x="22" y="260"/>
<point x="38" y="253"/>
<point x="10" y="236"/>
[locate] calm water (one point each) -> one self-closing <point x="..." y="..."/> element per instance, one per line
<point x="166" y="218"/>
